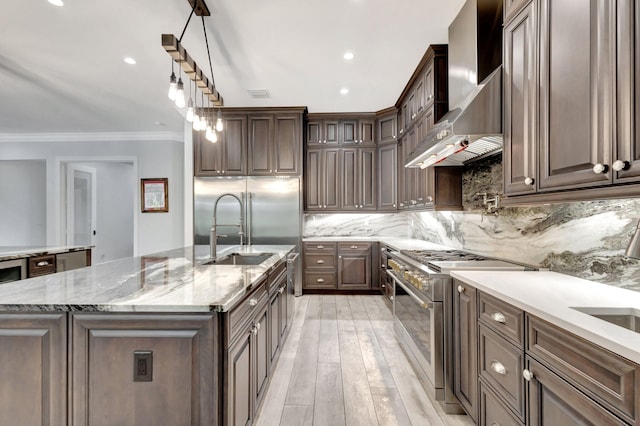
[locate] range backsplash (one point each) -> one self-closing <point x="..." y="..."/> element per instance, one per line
<point x="585" y="239"/>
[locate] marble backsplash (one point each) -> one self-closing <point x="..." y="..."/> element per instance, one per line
<point x="583" y="239"/>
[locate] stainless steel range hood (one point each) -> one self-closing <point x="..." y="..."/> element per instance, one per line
<point x="473" y="126"/>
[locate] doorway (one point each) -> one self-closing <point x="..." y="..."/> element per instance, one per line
<point x="98" y="207"/>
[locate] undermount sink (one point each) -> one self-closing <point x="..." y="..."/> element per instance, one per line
<point x="240" y="259"/>
<point x="628" y="318"/>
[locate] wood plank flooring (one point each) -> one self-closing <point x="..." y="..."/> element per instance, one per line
<point x="341" y="365"/>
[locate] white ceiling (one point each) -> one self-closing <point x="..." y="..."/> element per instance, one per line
<point x="62" y="68"/>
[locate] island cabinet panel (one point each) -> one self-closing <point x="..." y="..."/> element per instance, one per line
<point x="144" y="369"/>
<point x="33" y="368"/>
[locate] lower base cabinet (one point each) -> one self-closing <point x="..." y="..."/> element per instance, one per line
<point x="525" y="370"/>
<point x="143" y="369"/>
<point x="33" y="390"/>
<point x="343" y="266"/>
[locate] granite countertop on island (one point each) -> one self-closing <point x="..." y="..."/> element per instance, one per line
<point x="21" y="252"/>
<point x="552" y="297"/>
<point x="170" y="281"/>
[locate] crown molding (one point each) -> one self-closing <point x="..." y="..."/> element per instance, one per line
<point x="93" y="137"/>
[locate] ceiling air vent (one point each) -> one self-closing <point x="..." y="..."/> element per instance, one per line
<point x="259" y="93"/>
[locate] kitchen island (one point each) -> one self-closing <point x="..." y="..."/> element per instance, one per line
<point x="159" y="339"/>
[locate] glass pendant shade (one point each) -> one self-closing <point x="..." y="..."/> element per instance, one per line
<point x="180" y="94"/>
<point x="214" y="137"/>
<point x="219" y="126"/>
<point x="173" y="87"/>
<point x="196" y="121"/>
<point x="209" y="134"/>
<point x="190" y="115"/>
<point x="203" y="123"/>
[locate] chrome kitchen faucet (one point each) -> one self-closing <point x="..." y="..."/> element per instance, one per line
<point x="213" y="236"/>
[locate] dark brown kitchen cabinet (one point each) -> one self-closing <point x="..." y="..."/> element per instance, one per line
<point x="387" y="126"/>
<point x="174" y="358"/>
<point x="465" y="346"/>
<point x="322" y="131"/>
<point x="320" y="263"/>
<point x="228" y="156"/>
<point x="520" y="101"/>
<point x="274" y="144"/>
<point x="577" y="102"/>
<point x="358" y="173"/>
<point x="277" y="311"/>
<point x="388" y="177"/>
<point x="322" y="179"/>
<point x="354" y="266"/>
<point x="512" y="7"/>
<point x="33" y="349"/>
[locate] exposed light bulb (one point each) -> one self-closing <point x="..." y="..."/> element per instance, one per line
<point x="219" y="125"/>
<point x="180" y="94"/>
<point x="209" y="134"/>
<point x="190" y="115"/>
<point x="203" y="123"/>
<point x="196" y="121"/>
<point x="214" y="138"/>
<point x="173" y="89"/>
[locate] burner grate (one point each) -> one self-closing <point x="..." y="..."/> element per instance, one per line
<point x="426" y="256"/>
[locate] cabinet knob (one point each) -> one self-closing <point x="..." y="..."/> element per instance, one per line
<point x="401" y="130"/>
<point x="339" y="257"/>
<point x="42" y="263"/>
<point x="354" y="247"/>
<point x="528" y="181"/>
<point x="600" y="168"/>
<point x="319" y="261"/>
<point x="270" y="171"/>
<point x="320" y="247"/>
<point x="257" y="326"/>
<point x="620" y="165"/>
<point x="498" y="317"/>
<point x="527" y="374"/>
<point x="499" y="368"/>
<point x="224" y="171"/>
<point x="254" y="330"/>
<point x="460" y="289"/>
<point x="430" y="97"/>
<point x="218" y="172"/>
<point x="320" y="280"/>
<point x="394" y="206"/>
<point x="281" y="290"/>
<point x="430" y="198"/>
<point x="394" y="136"/>
<point x="253" y="302"/>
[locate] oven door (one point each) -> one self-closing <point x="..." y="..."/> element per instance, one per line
<point x="418" y="323"/>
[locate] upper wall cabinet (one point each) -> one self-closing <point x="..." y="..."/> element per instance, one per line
<point x="570" y="119"/>
<point x="254" y="142"/>
<point x="340" y="129"/>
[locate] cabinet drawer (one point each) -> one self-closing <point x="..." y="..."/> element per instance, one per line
<point x="242" y="313"/>
<point x="319" y="280"/>
<point x="604" y="376"/>
<point x="325" y="261"/>
<point x="500" y="366"/>
<point x="42" y="265"/>
<point x="501" y="317"/>
<point x="493" y="411"/>
<point x="320" y="247"/>
<point x="353" y="247"/>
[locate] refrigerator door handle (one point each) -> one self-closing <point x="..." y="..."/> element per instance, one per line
<point x="249" y="205"/>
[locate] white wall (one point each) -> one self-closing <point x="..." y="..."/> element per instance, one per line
<point x="23" y="201"/>
<point x="152" y="159"/>
<point x="115" y="210"/>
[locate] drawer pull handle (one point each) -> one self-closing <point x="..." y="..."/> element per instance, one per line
<point x="320" y="247"/>
<point x="320" y="261"/>
<point x="253" y="302"/>
<point x="499" y="368"/>
<point x="43" y="263"/>
<point x="460" y="289"/>
<point x="281" y="290"/>
<point x="320" y="280"/>
<point x="498" y="317"/>
<point x="527" y="374"/>
<point x="354" y="247"/>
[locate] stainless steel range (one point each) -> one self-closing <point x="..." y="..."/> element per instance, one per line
<point x="422" y="310"/>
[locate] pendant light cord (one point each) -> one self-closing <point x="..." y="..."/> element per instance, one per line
<point x="213" y="80"/>
<point x="187" y="24"/>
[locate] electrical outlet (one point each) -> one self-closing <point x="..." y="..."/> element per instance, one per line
<point x="142" y="366"/>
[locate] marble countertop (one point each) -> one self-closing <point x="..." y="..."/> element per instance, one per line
<point x="170" y="281"/>
<point x="20" y="252"/>
<point x="551" y="296"/>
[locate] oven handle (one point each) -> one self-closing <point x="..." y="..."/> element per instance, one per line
<point x="425" y="305"/>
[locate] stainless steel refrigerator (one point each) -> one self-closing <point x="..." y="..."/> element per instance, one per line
<point x="272" y="211"/>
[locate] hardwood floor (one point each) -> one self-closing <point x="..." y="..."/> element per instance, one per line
<point x="341" y="365"/>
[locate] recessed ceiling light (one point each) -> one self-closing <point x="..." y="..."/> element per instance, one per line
<point x="348" y="56"/>
<point x="130" y="60"/>
<point x="56" y="2"/>
<point x="344" y="91"/>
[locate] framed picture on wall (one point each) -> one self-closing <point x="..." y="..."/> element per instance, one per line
<point x="154" y="195"/>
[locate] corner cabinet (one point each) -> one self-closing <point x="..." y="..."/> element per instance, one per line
<point x="571" y="128"/>
<point x="254" y="142"/>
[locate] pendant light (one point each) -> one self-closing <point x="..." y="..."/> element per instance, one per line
<point x="203" y="119"/>
<point x="190" y="116"/>
<point x="173" y="89"/>
<point x="180" y="94"/>
<point x="219" y="125"/>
